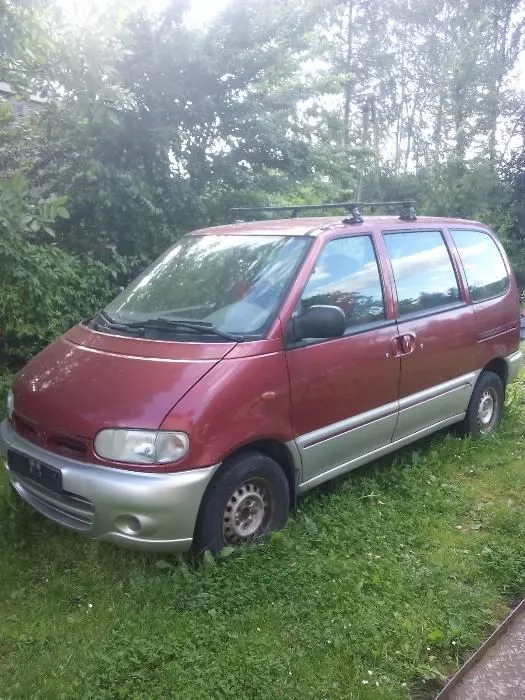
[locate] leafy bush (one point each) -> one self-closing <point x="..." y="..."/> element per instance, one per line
<point x="43" y="290"/>
<point x="6" y="379"/>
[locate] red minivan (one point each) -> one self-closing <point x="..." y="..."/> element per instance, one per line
<point x="254" y="361"/>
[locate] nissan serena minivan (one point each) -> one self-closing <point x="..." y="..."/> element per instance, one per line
<point x="254" y="361"/>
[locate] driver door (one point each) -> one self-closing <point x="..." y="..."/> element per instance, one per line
<point x="344" y="391"/>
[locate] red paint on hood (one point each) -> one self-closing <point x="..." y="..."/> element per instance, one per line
<point x="86" y="381"/>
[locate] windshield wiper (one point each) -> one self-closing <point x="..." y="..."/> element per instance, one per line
<point x="169" y="324"/>
<point x="166" y="324"/>
<point x="113" y="325"/>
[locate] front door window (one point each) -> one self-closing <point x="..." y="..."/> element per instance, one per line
<point x="346" y="275"/>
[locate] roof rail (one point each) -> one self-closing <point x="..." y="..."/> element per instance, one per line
<point x="407" y="211"/>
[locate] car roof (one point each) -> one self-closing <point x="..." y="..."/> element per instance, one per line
<point x="317" y="226"/>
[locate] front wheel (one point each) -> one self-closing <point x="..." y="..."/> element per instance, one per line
<point x="486" y="406"/>
<point x="248" y="497"/>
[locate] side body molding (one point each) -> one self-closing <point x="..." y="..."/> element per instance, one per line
<point x="340" y="447"/>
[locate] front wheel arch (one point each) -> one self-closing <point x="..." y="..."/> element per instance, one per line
<point x="280" y="453"/>
<point x="243" y="467"/>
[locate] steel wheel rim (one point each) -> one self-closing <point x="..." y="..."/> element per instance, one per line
<point x="487" y="411"/>
<point x="247" y="513"/>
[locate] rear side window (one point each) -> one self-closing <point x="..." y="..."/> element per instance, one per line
<point x="484" y="267"/>
<point x="423" y="271"/>
<point x="346" y="275"/>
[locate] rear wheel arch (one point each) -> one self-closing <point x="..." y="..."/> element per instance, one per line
<point x="486" y="406"/>
<point x="499" y="366"/>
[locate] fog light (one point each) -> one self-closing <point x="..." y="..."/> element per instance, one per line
<point x="128" y="524"/>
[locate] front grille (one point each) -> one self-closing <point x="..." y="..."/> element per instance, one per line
<point x="64" y="444"/>
<point x="27" y="430"/>
<point x="67" y="445"/>
<point x="65" y="508"/>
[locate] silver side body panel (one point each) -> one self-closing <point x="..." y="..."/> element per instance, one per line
<point x="376" y="454"/>
<point x="335" y="449"/>
<point x="432" y="406"/>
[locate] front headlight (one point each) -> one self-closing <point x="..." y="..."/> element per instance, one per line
<point x="141" y="446"/>
<point x="10" y="404"/>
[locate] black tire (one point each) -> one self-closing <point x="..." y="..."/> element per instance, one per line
<point x="248" y="497"/>
<point x="486" y="407"/>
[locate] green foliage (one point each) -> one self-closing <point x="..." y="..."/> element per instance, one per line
<point x="6" y="379"/>
<point x="151" y="128"/>
<point x="24" y="41"/>
<point x="513" y="220"/>
<point x="43" y="290"/>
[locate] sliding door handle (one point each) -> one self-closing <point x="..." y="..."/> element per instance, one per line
<point x="408" y="343"/>
<point x="403" y="345"/>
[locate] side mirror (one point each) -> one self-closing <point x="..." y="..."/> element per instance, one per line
<point x="319" y="322"/>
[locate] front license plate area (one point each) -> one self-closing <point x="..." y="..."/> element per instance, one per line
<point x="34" y="469"/>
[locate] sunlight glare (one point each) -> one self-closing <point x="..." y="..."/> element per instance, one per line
<point x="79" y="12"/>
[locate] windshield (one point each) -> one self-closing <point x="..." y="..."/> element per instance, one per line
<point x="234" y="282"/>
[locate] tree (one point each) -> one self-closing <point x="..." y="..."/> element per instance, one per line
<point x="151" y="128"/>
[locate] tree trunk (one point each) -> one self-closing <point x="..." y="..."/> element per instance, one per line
<point x="499" y="59"/>
<point x="375" y="137"/>
<point x="349" y="82"/>
<point x="459" y="118"/>
<point x="438" y="128"/>
<point x="399" y="121"/>
<point x="364" y="144"/>
<point x="410" y="131"/>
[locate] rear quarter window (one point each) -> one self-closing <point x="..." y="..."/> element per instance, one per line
<point x="484" y="267"/>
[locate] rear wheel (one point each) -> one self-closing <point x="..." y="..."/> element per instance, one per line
<point x="248" y="498"/>
<point x="486" y="407"/>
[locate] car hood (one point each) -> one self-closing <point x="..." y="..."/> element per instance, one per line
<point x="86" y="381"/>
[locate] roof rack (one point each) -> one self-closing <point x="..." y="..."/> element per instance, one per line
<point x="407" y="210"/>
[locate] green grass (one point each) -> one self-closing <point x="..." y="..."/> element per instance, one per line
<point x="378" y="589"/>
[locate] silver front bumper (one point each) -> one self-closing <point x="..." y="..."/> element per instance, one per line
<point x="133" y="509"/>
